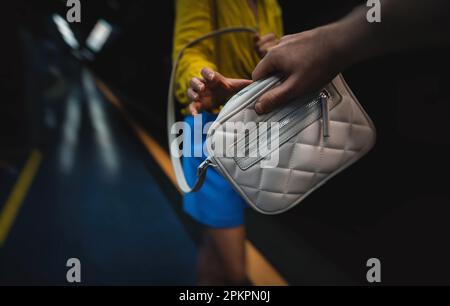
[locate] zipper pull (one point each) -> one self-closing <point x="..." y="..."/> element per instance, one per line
<point x="325" y="118"/>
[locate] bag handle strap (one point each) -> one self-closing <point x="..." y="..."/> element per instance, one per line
<point x="175" y="152"/>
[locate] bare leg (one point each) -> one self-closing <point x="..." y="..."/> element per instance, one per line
<point x="210" y="272"/>
<point x="230" y="246"/>
<point x="222" y="257"/>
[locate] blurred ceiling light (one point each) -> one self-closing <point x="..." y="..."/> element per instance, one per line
<point x="66" y="32"/>
<point x="99" y="35"/>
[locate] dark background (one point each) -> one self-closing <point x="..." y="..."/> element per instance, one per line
<point x="393" y="204"/>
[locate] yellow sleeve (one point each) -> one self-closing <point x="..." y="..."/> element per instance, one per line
<point x="192" y="20"/>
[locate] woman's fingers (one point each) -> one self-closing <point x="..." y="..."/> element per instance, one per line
<point x="195" y="107"/>
<point x="211" y="90"/>
<point x="192" y="95"/>
<point x="266" y="38"/>
<point x="212" y="78"/>
<point x="197" y="85"/>
<point x="263" y="49"/>
<point x="208" y="74"/>
<point x="238" y="84"/>
<point x="264" y="43"/>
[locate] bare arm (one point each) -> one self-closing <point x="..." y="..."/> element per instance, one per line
<point x="311" y="59"/>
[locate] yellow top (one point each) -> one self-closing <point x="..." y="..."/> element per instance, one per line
<point x="233" y="55"/>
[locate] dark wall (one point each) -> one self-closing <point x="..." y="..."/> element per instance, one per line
<point x="392" y="203"/>
<point x="137" y="63"/>
<point x="13" y="125"/>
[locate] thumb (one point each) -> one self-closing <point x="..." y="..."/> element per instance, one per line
<point x="265" y="67"/>
<point x="275" y="97"/>
<point x="238" y="84"/>
<point x="211" y="77"/>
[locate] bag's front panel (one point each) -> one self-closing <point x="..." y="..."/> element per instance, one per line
<point x="306" y="160"/>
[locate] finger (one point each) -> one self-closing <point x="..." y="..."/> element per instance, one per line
<point x="271" y="43"/>
<point x="211" y="77"/>
<point x="276" y="96"/>
<point x="238" y="84"/>
<point x="192" y="95"/>
<point x="197" y="85"/>
<point x="267" y="46"/>
<point x="192" y="109"/>
<point x="266" y="38"/>
<point x="265" y="67"/>
<point x="195" y="107"/>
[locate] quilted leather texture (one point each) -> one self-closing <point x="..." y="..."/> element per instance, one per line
<point x="307" y="160"/>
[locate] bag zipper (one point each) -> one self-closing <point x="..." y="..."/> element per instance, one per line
<point x="290" y="124"/>
<point x="324" y="96"/>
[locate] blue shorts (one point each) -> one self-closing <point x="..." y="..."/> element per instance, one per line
<point x="216" y="204"/>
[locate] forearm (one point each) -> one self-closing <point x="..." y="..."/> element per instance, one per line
<point x="404" y="24"/>
<point x="311" y="59"/>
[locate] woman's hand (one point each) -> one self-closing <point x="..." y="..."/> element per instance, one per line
<point x="264" y="43"/>
<point x="212" y="90"/>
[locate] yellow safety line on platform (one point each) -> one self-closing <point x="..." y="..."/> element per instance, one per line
<point x="259" y="270"/>
<point x="14" y="202"/>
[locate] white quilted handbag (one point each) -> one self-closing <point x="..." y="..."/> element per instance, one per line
<point x="318" y="136"/>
